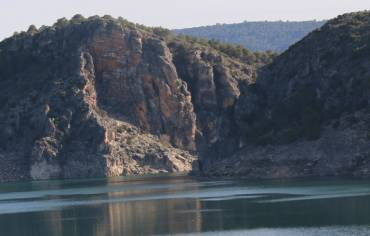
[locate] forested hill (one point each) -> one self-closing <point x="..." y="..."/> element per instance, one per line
<point x="257" y="36"/>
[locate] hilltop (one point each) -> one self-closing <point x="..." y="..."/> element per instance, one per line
<point x="260" y="36"/>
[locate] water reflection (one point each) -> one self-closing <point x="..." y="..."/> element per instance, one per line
<point x="167" y="206"/>
<point x="128" y="218"/>
<point x="153" y="216"/>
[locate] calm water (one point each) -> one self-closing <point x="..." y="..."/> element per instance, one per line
<point x="185" y="206"/>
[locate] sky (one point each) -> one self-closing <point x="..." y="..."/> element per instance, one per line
<point x="17" y="15"/>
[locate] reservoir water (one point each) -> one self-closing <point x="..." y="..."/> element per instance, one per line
<point x="175" y="205"/>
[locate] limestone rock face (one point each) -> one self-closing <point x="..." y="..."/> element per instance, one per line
<point x="136" y="81"/>
<point x="214" y="85"/>
<point x="102" y="97"/>
<point x="83" y="100"/>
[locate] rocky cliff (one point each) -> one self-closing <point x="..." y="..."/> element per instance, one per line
<point x="105" y="97"/>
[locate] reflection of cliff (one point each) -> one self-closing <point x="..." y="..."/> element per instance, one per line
<point x="49" y="223"/>
<point x="54" y="222"/>
<point x="143" y="207"/>
<point x="150" y="217"/>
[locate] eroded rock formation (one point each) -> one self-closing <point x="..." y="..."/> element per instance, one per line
<point x="105" y="97"/>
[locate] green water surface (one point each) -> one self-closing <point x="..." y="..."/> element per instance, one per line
<point x="185" y="206"/>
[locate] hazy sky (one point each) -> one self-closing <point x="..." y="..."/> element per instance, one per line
<point x="17" y="15"/>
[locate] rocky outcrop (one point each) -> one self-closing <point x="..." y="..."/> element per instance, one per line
<point x="137" y="81"/>
<point x="104" y="97"/>
<point x="73" y="96"/>
<point x="213" y="82"/>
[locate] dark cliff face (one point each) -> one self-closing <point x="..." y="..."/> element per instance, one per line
<point x="104" y="97"/>
<point x="312" y="84"/>
<point x="213" y="83"/>
<point x="308" y="114"/>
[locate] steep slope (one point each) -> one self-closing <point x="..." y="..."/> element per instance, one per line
<point x="58" y="89"/>
<point x="308" y="113"/>
<point x="105" y="97"/>
<point x="256" y="36"/>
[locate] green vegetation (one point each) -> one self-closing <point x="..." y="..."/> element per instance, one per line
<point x="234" y="51"/>
<point x="77" y="19"/>
<point x="238" y="52"/>
<point x="61" y="22"/>
<point x="32" y="29"/>
<point x="257" y="36"/>
<point x="300" y="116"/>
